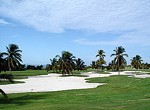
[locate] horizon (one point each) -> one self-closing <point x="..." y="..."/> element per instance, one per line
<point x="43" y="29"/>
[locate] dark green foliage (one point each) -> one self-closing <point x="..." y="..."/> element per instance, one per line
<point x="32" y="67"/>
<point x="79" y="64"/>
<point x="13" y="56"/>
<point x="6" y="77"/>
<point x="119" y="60"/>
<point x="136" y="62"/>
<point x="101" y="61"/>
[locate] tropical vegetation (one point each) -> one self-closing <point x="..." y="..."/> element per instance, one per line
<point x="101" y="60"/>
<point x="13" y="56"/>
<point x="66" y="63"/>
<point x="119" y="60"/>
<point x="136" y="62"/>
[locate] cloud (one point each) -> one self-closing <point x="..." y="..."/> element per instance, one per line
<point x="14" y="36"/>
<point x="139" y="38"/>
<point x="3" y="21"/>
<point x="97" y="16"/>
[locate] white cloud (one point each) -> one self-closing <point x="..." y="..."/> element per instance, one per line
<point x="14" y="36"/>
<point x="3" y="21"/>
<point x="90" y="15"/>
<point x="127" y="39"/>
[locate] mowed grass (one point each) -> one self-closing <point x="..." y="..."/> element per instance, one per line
<point x="28" y="72"/>
<point x="120" y="93"/>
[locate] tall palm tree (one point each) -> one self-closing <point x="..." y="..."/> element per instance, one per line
<point x="136" y="61"/>
<point x="79" y="64"/>
<point x="101" y="56"/>
<point x="119" y="59"/>
<point x="13" y="56"/>
<point x="66" y="61"/>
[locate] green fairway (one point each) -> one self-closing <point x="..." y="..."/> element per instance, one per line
<point x="28" y="72"/>
<point x="120" y="93"/>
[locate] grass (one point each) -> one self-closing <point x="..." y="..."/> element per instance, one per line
<point x="8" y="82"/>
<point x="102" y="72"/>
<point x="74" y="75"/>
<point x="120" y="93"/>
<point x="28" y="72"/>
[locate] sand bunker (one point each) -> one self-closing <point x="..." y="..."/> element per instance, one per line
<point x="53" y="82"/>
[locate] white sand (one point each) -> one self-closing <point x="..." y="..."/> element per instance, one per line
<point x="53" y="82"/>
<point x="50" y="82"/>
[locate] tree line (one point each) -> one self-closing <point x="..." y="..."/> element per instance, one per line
<point x="66" y="63"/>
<point x="119" y="61"/>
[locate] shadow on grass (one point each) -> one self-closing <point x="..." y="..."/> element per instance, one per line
<point x="22" y="98"/>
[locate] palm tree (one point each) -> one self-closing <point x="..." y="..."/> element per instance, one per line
<point x="136" y="62"/>
<point x="54" y="64"/>
<point x="13" y="56"/>
<point x="66" y="61"/>
<point x="119" y="59"/>
<point x="3" y="64"/>
<point x="79" y="64"/>
<point x="102" y="61"/>
<point x="48" y="67"/>
<point x="101" y="56"/>
<point x="93" y="65"/>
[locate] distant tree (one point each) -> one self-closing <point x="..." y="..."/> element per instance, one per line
<point x="3" y="63"/>
<point x="54" y="64"/>
<point x="31" y="67"/>
<point x="48" y="67"/>
<point x="101" y="56"/>
<point x="93" y="65"/>
<point x="13" y="56"/>
<point x="102" y="61"/>
<point x="119" y="59"/>
<point x="39" y="67"/>
<point x="136" y="61"/>
<point x="20" y="67"/>
<point x="79" y="64"/>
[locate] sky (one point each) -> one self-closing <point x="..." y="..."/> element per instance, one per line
<point x="44" y="28"/>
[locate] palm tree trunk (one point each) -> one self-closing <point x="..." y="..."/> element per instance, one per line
<point x="118" y="67"/>
<point x="118" y="70"/>
<point x="101" y="68"/>
<point x="4" y="94"/>
<point x="10" y="70"/>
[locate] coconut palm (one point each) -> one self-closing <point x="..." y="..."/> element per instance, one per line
<point x="48" y="67"/>
<point x="13" y="56"/>
<point x="66" y="61"/>
<point x="54" y="64"/>
<point x="119" y="59"/>
<point x="136" y="61"/>
<point x="101" y="56"/>
<point x="4" y="94"/>
<point x="3" y="64"/>
<point x="79" y="64"/>
<point x="93" y="65"/>
<point x="102" y="61"/>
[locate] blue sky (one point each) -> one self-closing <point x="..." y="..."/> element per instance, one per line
<point x="45" y="28"/>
